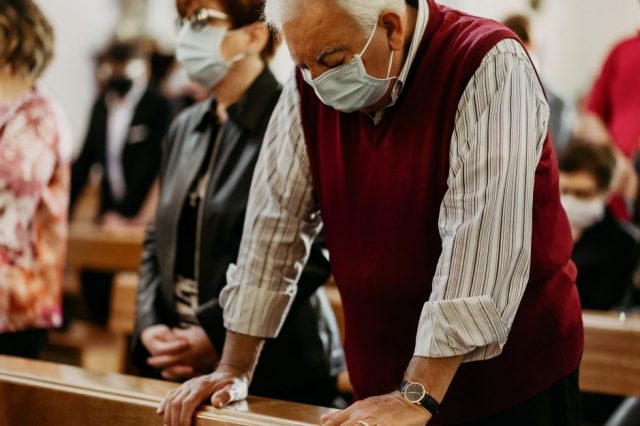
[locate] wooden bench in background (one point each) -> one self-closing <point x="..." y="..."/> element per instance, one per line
<point x="611" y="360"/>
<point x="99" y="249"/>
<point x="35" y="393"/>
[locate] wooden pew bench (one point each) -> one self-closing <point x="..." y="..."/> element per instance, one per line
<point x="611" y="360"/>
<point x="35" y="393"/>
<point x="93" y="247"/>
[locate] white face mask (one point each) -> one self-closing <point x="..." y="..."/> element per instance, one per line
<point x="583" y="214"/>
<point x="200" y="53"/>
<point x="349" y="88"/>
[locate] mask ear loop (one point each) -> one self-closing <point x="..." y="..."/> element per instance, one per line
<point x="366" y="46"/>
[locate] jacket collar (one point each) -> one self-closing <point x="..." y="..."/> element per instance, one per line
<point x="250" y="110"/>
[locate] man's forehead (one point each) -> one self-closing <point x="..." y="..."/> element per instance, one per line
<point x="314" y="35"/>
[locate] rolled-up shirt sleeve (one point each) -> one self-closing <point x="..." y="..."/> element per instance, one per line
<point x="485" y="217"/>
<point x="282" y="221"/>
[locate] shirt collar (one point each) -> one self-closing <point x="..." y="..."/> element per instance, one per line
<point x="421" y="26"/>
<point x="251" y="108"/>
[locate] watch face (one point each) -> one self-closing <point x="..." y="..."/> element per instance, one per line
<point x="414" y="392"/>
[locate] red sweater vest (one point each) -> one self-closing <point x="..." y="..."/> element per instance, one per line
<point x="380" y="187"/>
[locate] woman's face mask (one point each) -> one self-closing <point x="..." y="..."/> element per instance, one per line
<point x="349" y="88"/>
<point x="583" y="213"/>
<point x="199" y="51"/>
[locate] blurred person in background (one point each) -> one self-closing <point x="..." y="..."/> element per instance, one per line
<point x="208" y="163"/>
<point x="128" y="123"/>
<point x="35" y="157"/>
<point x="613" y="114"/>
<point x="605" y="253"/>
<point x="606" y="249"/>
<point x="562" y="113"/>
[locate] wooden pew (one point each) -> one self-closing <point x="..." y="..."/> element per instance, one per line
<point x="93" y="247"/>
<point x="611" y="360"/>
<point x="34" y="393"/>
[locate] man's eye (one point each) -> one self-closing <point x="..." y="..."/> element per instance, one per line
<point x="334" y="62"/>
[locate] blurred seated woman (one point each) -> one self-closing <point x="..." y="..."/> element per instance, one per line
<point x="205" y="177"/>
<point x="35" y="151"/>
<point x="606" y="249"/>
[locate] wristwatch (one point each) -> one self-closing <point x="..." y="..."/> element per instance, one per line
<point x="415" y="393"/>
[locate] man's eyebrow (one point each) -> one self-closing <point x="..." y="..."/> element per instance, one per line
<point x="327" y="51"/>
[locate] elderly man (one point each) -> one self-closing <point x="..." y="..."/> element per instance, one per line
<point x="417" y="135"/>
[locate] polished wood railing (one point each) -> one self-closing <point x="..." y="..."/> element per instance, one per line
<point x="35" y="393"/>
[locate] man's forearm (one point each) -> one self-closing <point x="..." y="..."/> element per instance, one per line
<point x="435" y="374"/>
<point x="241" y="353"/>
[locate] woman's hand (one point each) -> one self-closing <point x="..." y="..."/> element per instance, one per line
<point x="227" y="384"/>
<point x="199" y="356"/>
<point x="159" y="339"/>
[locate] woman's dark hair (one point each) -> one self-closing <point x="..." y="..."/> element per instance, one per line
<point x="26" y="38"/>
<point x="596" y="159"/>
<point x="520" y="25"/>
<point x="245" y="12"/>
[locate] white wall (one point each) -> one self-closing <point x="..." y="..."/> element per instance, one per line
<point x="82" y="28"/>
<point x="574" y="36"/>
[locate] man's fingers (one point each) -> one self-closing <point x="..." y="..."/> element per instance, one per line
<point x="234" y="390"/>
<point x="327" y="417"/>
<point x="340" y="417"/>
<point x="189" y="406"/>
<point x="222" y="398"/>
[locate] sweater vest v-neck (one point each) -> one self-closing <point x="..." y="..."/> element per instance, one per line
<point x="380" y="187"/>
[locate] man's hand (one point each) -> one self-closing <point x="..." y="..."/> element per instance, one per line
<point x="198" y="357"/>
<point x="388" y="410"/>
<point x="227" y="384"/>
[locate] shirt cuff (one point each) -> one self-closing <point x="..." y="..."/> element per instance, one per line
<point x="471" y="327"/>
<point x="255" y="311"/>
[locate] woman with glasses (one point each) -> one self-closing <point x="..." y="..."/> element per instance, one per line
<point x="209" y="157"/>
<point x="35" y="168"/>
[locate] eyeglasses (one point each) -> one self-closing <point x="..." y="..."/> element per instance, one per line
<point x="201" y="18"/>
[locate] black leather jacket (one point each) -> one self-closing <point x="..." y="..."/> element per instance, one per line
<point x="308" y="347"/>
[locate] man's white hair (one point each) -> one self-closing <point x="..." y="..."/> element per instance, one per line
<point x="364" y="12"/>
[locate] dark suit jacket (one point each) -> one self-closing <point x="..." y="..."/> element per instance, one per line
<point x="606" y="256"/>
<point x="308" y="347"/>
<point x="140" y="158"/>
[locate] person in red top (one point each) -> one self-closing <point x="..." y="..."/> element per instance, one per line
<point x="613" y="113"/>
<point x="615" y="97"/>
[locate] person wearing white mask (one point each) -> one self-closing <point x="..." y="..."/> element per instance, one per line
<point x="606" y="249"/>
<point x="416" y="137"/>
<point x="209" y="158"/>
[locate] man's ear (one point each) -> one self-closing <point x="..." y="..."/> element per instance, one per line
<point x="394" y="26"/>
